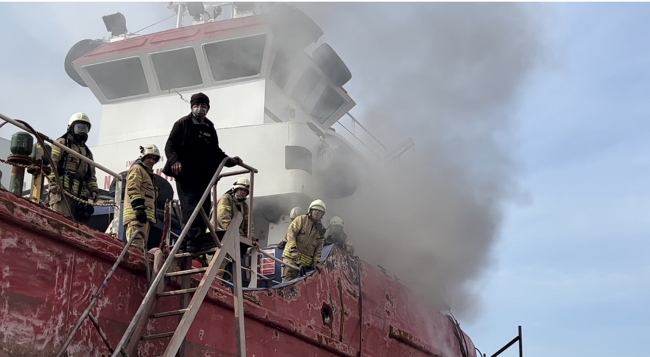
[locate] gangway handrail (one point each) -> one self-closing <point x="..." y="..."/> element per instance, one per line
<point x="118" y="189"/>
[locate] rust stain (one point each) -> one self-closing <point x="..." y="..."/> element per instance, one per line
<point x="410" y="340"/>
<point x="342" y="314"/>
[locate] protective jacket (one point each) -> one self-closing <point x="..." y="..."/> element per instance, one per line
<point x="140" y="184"/>
<point x="196" y="146"/>
<point x="226" y="208"/>
<point x="335" y="235"/>
<point x="306" y="237"/>
<point x="78" y="176"/>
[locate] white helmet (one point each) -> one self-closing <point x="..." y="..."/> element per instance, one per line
<point x="242" y="183"/>
<point x="336" y="221"/>
<point x="319" y="205"/>
<point x="79" y="117"/>
<point x="295" y="212"/>
<point x="149" y="149"/>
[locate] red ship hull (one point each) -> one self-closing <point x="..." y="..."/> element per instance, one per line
<point x="50" y="267"/>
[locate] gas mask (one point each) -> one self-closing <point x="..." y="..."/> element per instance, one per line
<point x="80" y="132"/>
<point x="199" y="112"/>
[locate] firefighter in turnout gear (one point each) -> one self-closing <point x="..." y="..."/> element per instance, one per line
<point x="295" y="212"/>
<point x="304" y="241"/>
<point x="234" y="200"/>
<point x="335" y="235"/>
<point x="78" y="177"/>
<point x="140" y="197"/>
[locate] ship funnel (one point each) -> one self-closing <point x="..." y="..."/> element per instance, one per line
<point x="293" y="26"/>
<point x="79" y="49"/>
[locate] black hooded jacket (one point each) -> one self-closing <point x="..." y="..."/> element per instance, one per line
<point x="196" y="146"/>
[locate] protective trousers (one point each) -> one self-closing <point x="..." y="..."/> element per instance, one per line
<point x="57" y="204"/>
<point x="287" y="272"/>
<point x="140" y="240"/>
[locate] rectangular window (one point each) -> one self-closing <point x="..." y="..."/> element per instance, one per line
<point x="328" y="103"/>
<point x="305" y="86"/>
<point x="176" y="69"/>
<point x="119" y="79"/>
<point x="240" y="57"/>
<point x="297" y="157"/>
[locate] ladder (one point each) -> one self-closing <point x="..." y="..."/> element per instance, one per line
<point x="229" y="245"/>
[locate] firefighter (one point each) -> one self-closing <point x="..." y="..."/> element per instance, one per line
<point x="193" y="156"/>
<point x="77" y="176"/>
<point x="295" y="212"/>
<point x="335" y="235"/>
<point x="304" y="241"/>
<point x="234" y="200"/>
<point x="141" y="194"/>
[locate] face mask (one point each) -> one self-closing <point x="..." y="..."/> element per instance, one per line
<point x="199" y="112"/>
<point x="80" y="128"/>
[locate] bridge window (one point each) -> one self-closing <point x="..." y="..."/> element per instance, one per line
<point x="328" y="103"/>
<point x="297" y="157"/>
<point x="240" y="57"/>
<point x="177" y="68"/>
<point x="119" y="79"/>
<point x="305" y="86"/>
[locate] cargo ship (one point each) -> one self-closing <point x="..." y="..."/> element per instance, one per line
<point x="276" y="91"/>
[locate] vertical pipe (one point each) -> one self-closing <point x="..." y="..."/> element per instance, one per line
<point x="249" y="234"/>
<point x="238" y="303"/>
<point x="17" y="179"/>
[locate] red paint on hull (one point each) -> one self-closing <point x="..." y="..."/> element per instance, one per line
<point x="50" y="266"/>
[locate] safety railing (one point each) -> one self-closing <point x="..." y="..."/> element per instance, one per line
<point x="41" y="138"/>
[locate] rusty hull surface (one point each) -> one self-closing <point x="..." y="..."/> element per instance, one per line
<point x="50" y="266"/>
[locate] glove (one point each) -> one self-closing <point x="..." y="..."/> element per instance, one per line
<point x="295" y="256"/>
<point x="141" y="215"/>
<point x="140" y="210"/>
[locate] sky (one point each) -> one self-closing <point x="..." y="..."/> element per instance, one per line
<point x="559" y="131"/>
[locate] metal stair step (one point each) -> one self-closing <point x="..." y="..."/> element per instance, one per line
<point x="158" y="335"/>
<point x="168" y="313"/>
<point x="177" y="292"/>
<point x="194" y="254"/>
<point x="187" y="272"/>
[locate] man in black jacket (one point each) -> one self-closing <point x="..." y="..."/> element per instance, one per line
<point x="193" y="156"/>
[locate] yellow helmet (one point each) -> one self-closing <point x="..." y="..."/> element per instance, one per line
<point x="295" y="212"/>
<point x="319" y="205"/>
<point x="336" y="221"/>
<point x="150" y="149"/>
<point x="242" y="183"/>
<point x="79" y="117"/>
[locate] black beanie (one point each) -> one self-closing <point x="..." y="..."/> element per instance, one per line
<point x="200" y="98"/>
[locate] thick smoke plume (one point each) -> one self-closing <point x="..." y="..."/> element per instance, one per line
<point x="447" y="75"/>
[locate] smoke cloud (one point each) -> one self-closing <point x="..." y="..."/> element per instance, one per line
<point x="448" y="76"/>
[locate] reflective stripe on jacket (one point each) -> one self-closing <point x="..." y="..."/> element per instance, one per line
<point x="79" y="178"/>
<point x="226" y="208"/>
<point x="304" y="237"/>
<point x="140" y="183"/>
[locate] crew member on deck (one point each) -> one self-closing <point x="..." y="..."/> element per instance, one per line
<point x="78" y="176"/>
<point x="304" y="241"/>
<point x="193" y="156"/>
<point x="335" y="235"/>
<point x="140" y="198"/>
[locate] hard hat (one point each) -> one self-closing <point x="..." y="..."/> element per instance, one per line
<point x="336" y="221"/>
<point x="319" y="205"/>
<point x="242" y="183"/>
<point x="295" y="212"/>
<point x="79" y="117"/>
<point x="149" y="149"/>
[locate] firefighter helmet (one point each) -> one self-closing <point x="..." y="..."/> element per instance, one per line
<point x="242" y="183"/>
<point x="295" y="212"/>
<point x="319" y="205"/>
<point x="336" y="221"/>
<point x="77" y="118"/>
<point x="149" y="149"/>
